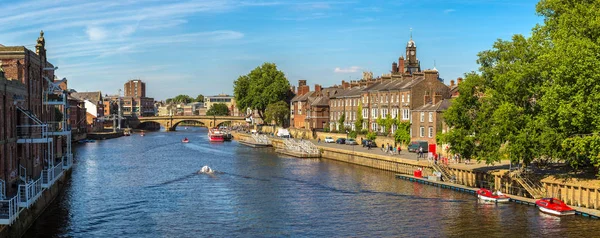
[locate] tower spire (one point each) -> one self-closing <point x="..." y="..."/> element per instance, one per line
<point x="411" y="33"/>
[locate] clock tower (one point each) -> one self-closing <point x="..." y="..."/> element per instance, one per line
<point x="411" y="56"/>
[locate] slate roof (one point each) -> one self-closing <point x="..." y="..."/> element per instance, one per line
<point x="90" y="96"/>
<point x="438" y="107"/>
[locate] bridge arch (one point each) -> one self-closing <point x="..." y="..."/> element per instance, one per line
<point x="171" y="122"/>
<point x="177" y="122"/>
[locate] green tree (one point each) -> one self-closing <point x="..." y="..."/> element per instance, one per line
<point x="199" y="98"/>
<point x="278" y="112"/>
<point x="402" y="134"/>
<point x="358" y="124"/>
<point x="262" y="86"/>
<point x="181" y="98"/>
<point x="381" y="121"/>
<point x="218" y="109"/>
<point x="352" y="134"/>
<point x="341" y="122"/>
<point x="371" y="136"/>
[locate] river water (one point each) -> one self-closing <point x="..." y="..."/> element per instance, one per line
<point x="148" y="187"/>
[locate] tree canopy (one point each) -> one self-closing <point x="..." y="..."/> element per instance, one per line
<point x="264" y="85"/>
<point x="358" y="123"/>
<point x="535" y="97"/>
<point x="199" y="98"/>
<point x="218" y="109"/>
<point x="278" y="112"/>
<point x="181" y="98"/>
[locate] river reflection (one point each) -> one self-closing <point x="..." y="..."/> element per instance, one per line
<point x="149" y="187"/>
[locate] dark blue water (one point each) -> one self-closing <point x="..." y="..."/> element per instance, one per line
<point x="148" y="187"/>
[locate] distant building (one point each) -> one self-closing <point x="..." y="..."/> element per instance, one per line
<point x="135" y="88"/>
<point x="191" y="109"/>
<point x="428" y="120"/>
<point x="94" y="105"/>
<point x="225" y="99"/>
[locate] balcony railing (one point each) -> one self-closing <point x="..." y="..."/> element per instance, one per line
<point x="50" y="175"/>
<point x="53" y="99"/>
<point x="29" y="193"/>
<point x="31" y="131"/>
<point x="9" y="211"/>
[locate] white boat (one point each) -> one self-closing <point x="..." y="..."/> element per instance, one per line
<point x="488" y="196"/>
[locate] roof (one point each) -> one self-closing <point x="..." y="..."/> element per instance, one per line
<point x="395" y="84"/>
<point x="349" y="92"/>
<point x="90" y="96"/>
<point x="438" y="107"/>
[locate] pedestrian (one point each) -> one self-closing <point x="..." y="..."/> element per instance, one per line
<point x="319" y="140"/>
<point x="420" y="152"/>
<point x="399" y="149"/>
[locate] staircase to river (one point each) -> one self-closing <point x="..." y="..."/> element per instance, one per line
<point x="535" y="189"/>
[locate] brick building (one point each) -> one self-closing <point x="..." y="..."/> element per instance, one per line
<point x="310" y="109"/>
<point x="428" y="120"/>
<point x="11" y="91"/>
<point x="135" y="88"/>
<point x="94" y="105"/>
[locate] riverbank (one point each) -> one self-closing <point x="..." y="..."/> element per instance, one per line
<point x="104" y="135"/>
<point x="469" y="175"/>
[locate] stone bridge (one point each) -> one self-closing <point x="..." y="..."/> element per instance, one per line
<point x="171" y="122"/>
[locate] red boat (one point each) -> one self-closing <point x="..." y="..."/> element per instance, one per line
<point x="214" y="135"/>
<point x="489" y="196"/>
<point x="554" y="206"/>
<point x="185" y="140"/>
<point x="142" y="134"/>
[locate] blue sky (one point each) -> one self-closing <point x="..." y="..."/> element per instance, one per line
<point x="201" y="47"/>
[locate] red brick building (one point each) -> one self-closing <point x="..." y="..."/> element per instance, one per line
<point x="135" y="88"/>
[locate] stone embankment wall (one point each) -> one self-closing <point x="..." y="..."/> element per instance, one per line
<point x="572" y="194"/>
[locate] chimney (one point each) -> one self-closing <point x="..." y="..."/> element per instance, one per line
<point x="459" y="80"/>
<point x="401" y="64"/>
<point x="345" y="85"/>
<point x="431" y="74"/>
<point x="437" y="98"/>
<point x="394" y="67"/>
<point x="452" y="83"/>
<point x="426" y="98"/>
<point x="317" y="88"/>
<point x="301" y="82"/>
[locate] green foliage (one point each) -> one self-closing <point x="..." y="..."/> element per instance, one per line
<point x="262" y="86"/>
<point x="181" y="98"/>
<point x="278" y="112"/>
<point x="359" y="118"/>
<point x="326" y="129"/>
<point x="364" y="131"/>
<point x="402" y="134"/>
<point x="199" y="98"/>
<point x="218" y="109"/>
<point x="380" y="121"/>
<point x="534" y="93"/>
<point x="353" y="134"/>
<point x="341" y="121"/>
<point x="371" y="135"/>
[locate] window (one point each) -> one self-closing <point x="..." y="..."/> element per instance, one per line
<point x="381" y="100"/>
<point x="430" y="116"/>
<point x="408" y="98"/>
<point x="386" y="98"/>
<point x="402" y="97"/>
<point x="422" y="116"/>
<point x="421" y="131"/>
<point x="397" y="98"/>
<point x="430" y="132"/>
<point x="299" y="108"/>
<point x="363" y="99"/>
<point x="365" y="113"/>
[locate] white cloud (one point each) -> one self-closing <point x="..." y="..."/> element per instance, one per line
<point x="95" y="33"/>
<point x="352" y="69"/>
<point x="449" y="11"/>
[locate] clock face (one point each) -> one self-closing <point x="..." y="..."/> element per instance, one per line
<point x="412" y="53"/>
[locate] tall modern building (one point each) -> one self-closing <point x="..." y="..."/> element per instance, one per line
<point x="135" y="88"/>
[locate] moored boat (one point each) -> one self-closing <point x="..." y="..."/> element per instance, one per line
<point x="489" y="196"/>
<point x="214" y="135"/>
<point x="554" y="206"/>
<point x="227" y="136"/>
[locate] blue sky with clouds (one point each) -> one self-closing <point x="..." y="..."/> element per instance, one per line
<point x="202" y="46"/>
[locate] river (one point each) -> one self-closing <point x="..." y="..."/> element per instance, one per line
<point x="148" y="187"/>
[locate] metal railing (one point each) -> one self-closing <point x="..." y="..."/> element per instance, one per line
<point x="9" y="211"/>
<point x="29" y="192"/>
<point x="67" y="161"/>
<point x="535" y="190"/>
<point x="32" y="131"/>
<point x="440" y="167"/>
<point x="302" y="147"/>
<point x="50" y="175"/>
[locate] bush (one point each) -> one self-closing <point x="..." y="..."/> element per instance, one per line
<point x="352" y="134"/>
<point x="371" y="136"/>
<point x="364" y="131"/>
<point x="326" y="129"/>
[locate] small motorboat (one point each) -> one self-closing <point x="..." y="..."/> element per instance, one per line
<point x="554" y="206"/>
<point x="142" y="134"/>
<point x="185" y="140"/>
<point x="489" y="196"/>
<point x="126" y="133"/>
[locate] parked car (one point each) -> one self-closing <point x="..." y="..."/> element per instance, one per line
<point x="340" y="141"/>
<point x="351" y="142"/>
<point x="329" y="139"/>
<point x="414" y="146"/>
<point x="368" y="142"/>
